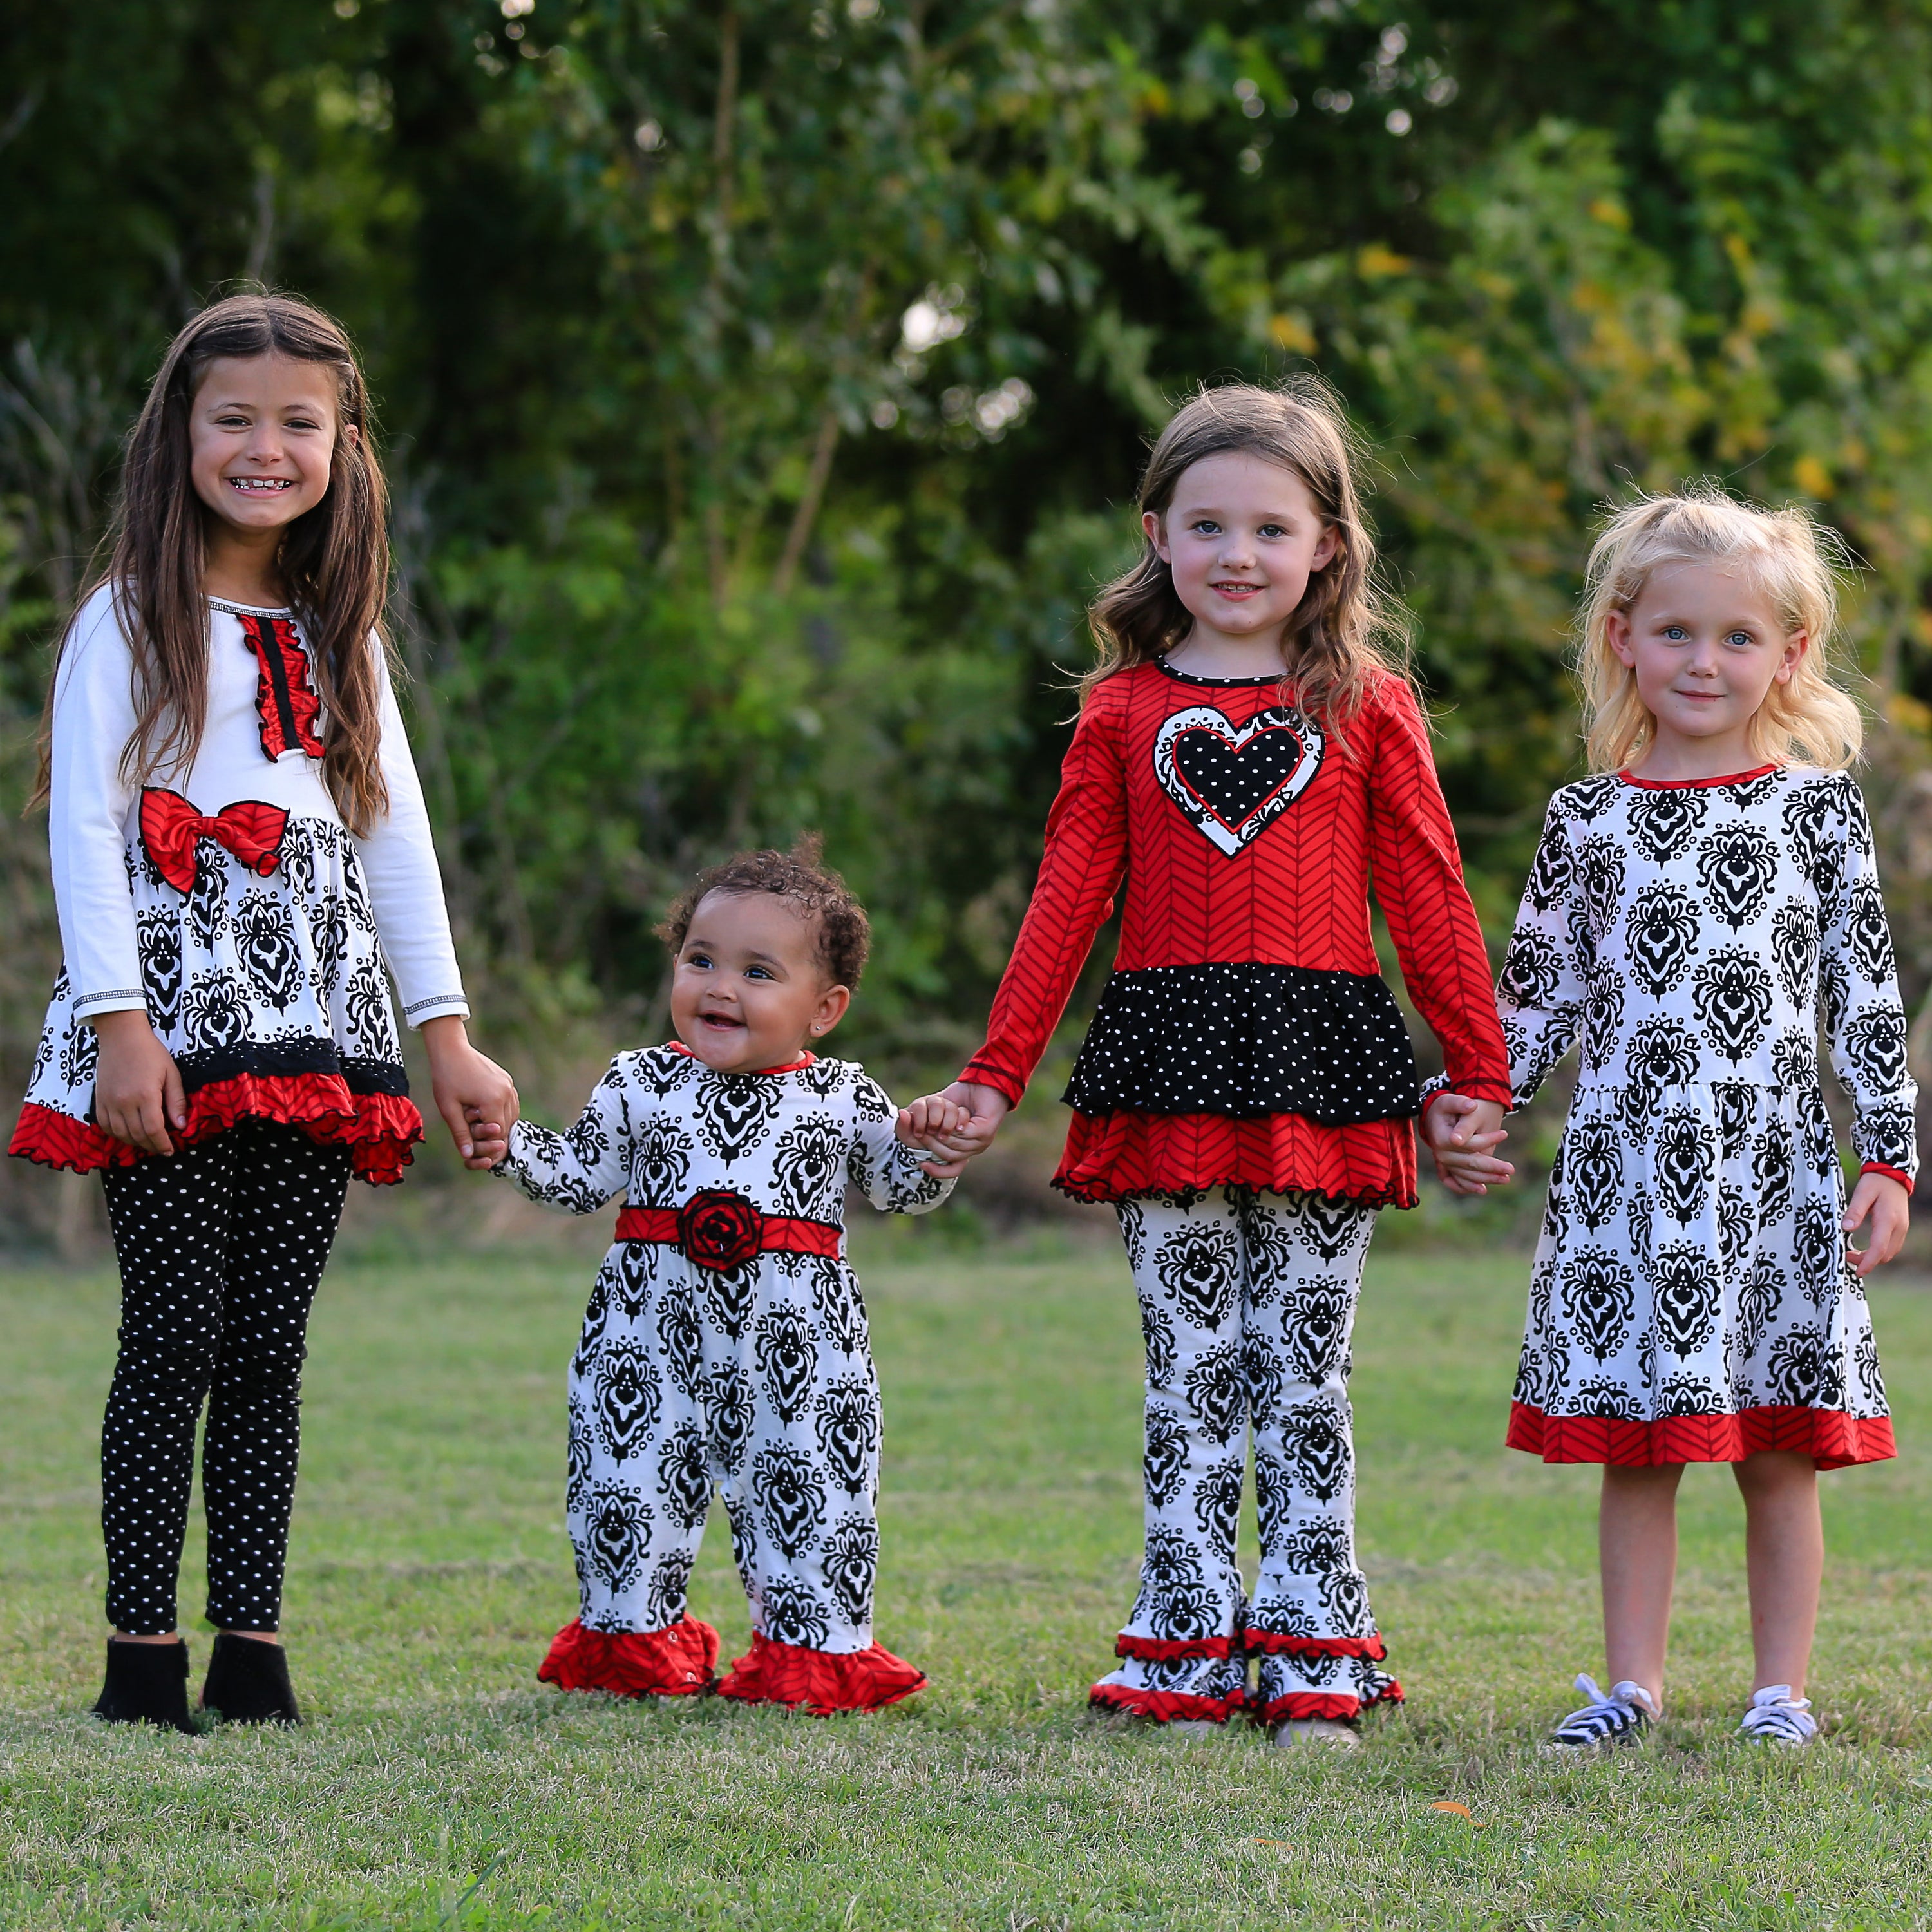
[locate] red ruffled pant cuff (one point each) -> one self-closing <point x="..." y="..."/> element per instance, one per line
<point x="678" y="1662"/>
<point x="822" y="1682"/>
<point x="1166" y="1707"/>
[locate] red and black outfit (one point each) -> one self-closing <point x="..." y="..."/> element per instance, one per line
<point x="1246" y="1096"/>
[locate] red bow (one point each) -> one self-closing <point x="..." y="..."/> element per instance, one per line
<point x="171" y="830"/>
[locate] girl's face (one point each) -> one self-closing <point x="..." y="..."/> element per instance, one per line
<point x="262" y="434"/>
<point x="1242" y="537"/>
<point x="1706" y="646"/>
<point x="748" y="991"/>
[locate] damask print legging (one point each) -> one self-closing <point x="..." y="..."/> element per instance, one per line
<point x="1247" y="1300"/>
<point x="221" y="1247"/>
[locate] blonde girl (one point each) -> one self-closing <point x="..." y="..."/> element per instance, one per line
<point x="1248" y="752"/>
<point x="1699" y="910"/>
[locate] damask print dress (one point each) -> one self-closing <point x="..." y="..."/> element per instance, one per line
<point x="1246" y="1099"/>
<point x="1691" y="1300"/>
<point x="228" y="901"/>
<point x="724" y="1351"/>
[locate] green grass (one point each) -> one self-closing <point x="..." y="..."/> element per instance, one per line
<point x="438" y="1785"/>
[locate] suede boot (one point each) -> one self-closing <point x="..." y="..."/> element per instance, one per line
<point x="248" y="1682"/>
<point x="147" y="1683"/>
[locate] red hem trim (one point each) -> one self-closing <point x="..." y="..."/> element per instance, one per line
<point x="678" y="1661"/>
<point x="1320" y="1704"/>
<point x="1105" y="1193"/>
<point x="378" y="1128"/>
<point x="1904" y="1180"/>
<point x="1166" y="1649"/>
<point x="823" y="1682"/>
<point x="1276" y="1643"/>
<point x="1831" y="1438"/>
<point x="1164" y="1707"/>
<point x="1697" y="785"/>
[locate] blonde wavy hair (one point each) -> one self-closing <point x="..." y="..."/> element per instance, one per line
<point x="1785" y="555"/>
<point x="1347" y="630"/>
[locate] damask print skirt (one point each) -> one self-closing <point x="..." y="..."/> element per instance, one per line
<point x="1691" y="1300"/>
<point x="272" y="996"/>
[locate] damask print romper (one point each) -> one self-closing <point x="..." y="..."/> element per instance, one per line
<point x="724" y="1350"/>
<point x="1690" y="1299"/>
<point x="1245" y="1098"/>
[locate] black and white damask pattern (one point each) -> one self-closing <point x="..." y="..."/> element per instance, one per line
<point x="756" y="1383"/>
<point x="244" y="973"/>
<point x="1248" y="1300"/>
<point x="1691" y="1262"/>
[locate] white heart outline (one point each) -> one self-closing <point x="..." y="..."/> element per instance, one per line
<point x="1206" y="718"/>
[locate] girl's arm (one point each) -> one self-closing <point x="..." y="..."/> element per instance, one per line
<point x="1865" y="1020"/>
<point x="1080" y="871"/>
<point x="1418" y="883"/>
<point x="476" y="1098"/>
<point x="583" y="1169"/>
<point x="884" y="1169"/>
<point x="1541" y="992"/>
<point x="137" y="1089"/>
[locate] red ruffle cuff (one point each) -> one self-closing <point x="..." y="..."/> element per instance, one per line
<point x="680" y="1661"/>
<point x="1166" y="1707"/>
<point x="378" y="1129"/>
<point x="820" y="1681"/>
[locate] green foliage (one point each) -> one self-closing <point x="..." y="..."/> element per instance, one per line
<point x="766" y="381"/>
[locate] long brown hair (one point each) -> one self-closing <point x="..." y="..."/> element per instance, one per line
<point x="1346" y="630"/>
<point x="334" y="562"/>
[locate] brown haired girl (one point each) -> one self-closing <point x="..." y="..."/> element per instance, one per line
<point x="238" y="844"/>
<point x="1248" y="753"/>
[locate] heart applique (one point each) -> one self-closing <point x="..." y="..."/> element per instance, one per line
<point x="1234" y="780"/>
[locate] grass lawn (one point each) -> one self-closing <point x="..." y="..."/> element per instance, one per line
<point x="437" y="1784"/>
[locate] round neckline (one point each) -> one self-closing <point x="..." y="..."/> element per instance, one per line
<point x="251" y="610"/>
<point x="1220" y="683"/>
<point x="1629" y="778"/>
<point x="797" y="1065"/>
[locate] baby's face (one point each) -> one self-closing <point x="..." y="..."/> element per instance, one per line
<point x="750" y="991"/>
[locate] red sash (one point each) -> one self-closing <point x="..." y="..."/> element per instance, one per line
<point x="718" y="1229"/>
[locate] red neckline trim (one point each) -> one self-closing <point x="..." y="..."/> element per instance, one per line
<point x="1698" y="785"/>
<point x="797" y="1065"/>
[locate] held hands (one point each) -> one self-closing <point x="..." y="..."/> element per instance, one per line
<point x="953" y="1126"/>
<point x="1887" y="1202"/>
<point x="1461" y="1133"/>
<point x="137" y="1088"/>
<point x="476" y="1098"/>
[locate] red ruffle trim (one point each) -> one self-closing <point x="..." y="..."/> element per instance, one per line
<point x="1320" y="1704"/>
<point x="821" y="1681"/>
<point x="1116" y="1156"/>
<point x="678" y="1662"/>
<point x="378" y="1128"/>
<point x="1166" y="1707"/>
<point x="1832" y="1439"/>
<point x="1164" y="1649"/>
<point x="1276" y="1644"/>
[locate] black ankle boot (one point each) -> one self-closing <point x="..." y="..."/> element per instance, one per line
<point x="147" y="1683"/>
<point x="248" y="1682"/>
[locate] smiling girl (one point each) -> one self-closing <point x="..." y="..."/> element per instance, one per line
<point x="1247" y="757"/>
<point x="1697" y="912"/>
<point x="239" y="844"/>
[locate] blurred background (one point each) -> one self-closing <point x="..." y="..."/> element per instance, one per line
<point x="764" y="386"/>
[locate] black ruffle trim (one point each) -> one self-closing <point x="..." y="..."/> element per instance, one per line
<point x="1246" y="1040"/>
<point x="284" y="1059"/>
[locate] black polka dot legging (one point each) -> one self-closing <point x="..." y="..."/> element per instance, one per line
<point x="221" y="1247"/>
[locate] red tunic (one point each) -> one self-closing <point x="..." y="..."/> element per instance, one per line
<point x="1246" y="1037"/>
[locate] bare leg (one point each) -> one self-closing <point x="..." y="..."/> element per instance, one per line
<point x="1784" y="1558"/>
<point x="1637" y="1539"/>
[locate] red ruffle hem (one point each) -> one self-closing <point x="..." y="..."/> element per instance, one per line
<point x="1276" y="1643"/>
<point x="1167" y="1707"/>
<point x="1117" y="1157"/>
<point x="678" y="1662"/>
<point x="1831" y="1438"/>
<point x="378" y="1129"/>
<point x="1320" y="1704"/>
<point x="821" y="1681"/>
<point x="1166" y="1649"/>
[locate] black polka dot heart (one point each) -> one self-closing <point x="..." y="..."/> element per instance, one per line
<point x="1234" y="781"/>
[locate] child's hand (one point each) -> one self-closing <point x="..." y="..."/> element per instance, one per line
<point x="1460" y="1132"/>
<point x="971" y="1116"/>
<point x="137" y="1087"/>
<point x="476" y="1098"/>
<point x="1889" y="1206"/>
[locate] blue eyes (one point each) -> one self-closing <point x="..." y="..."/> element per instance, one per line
<point x="1676" y="634"/>
<point x="1207" y="527"/>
